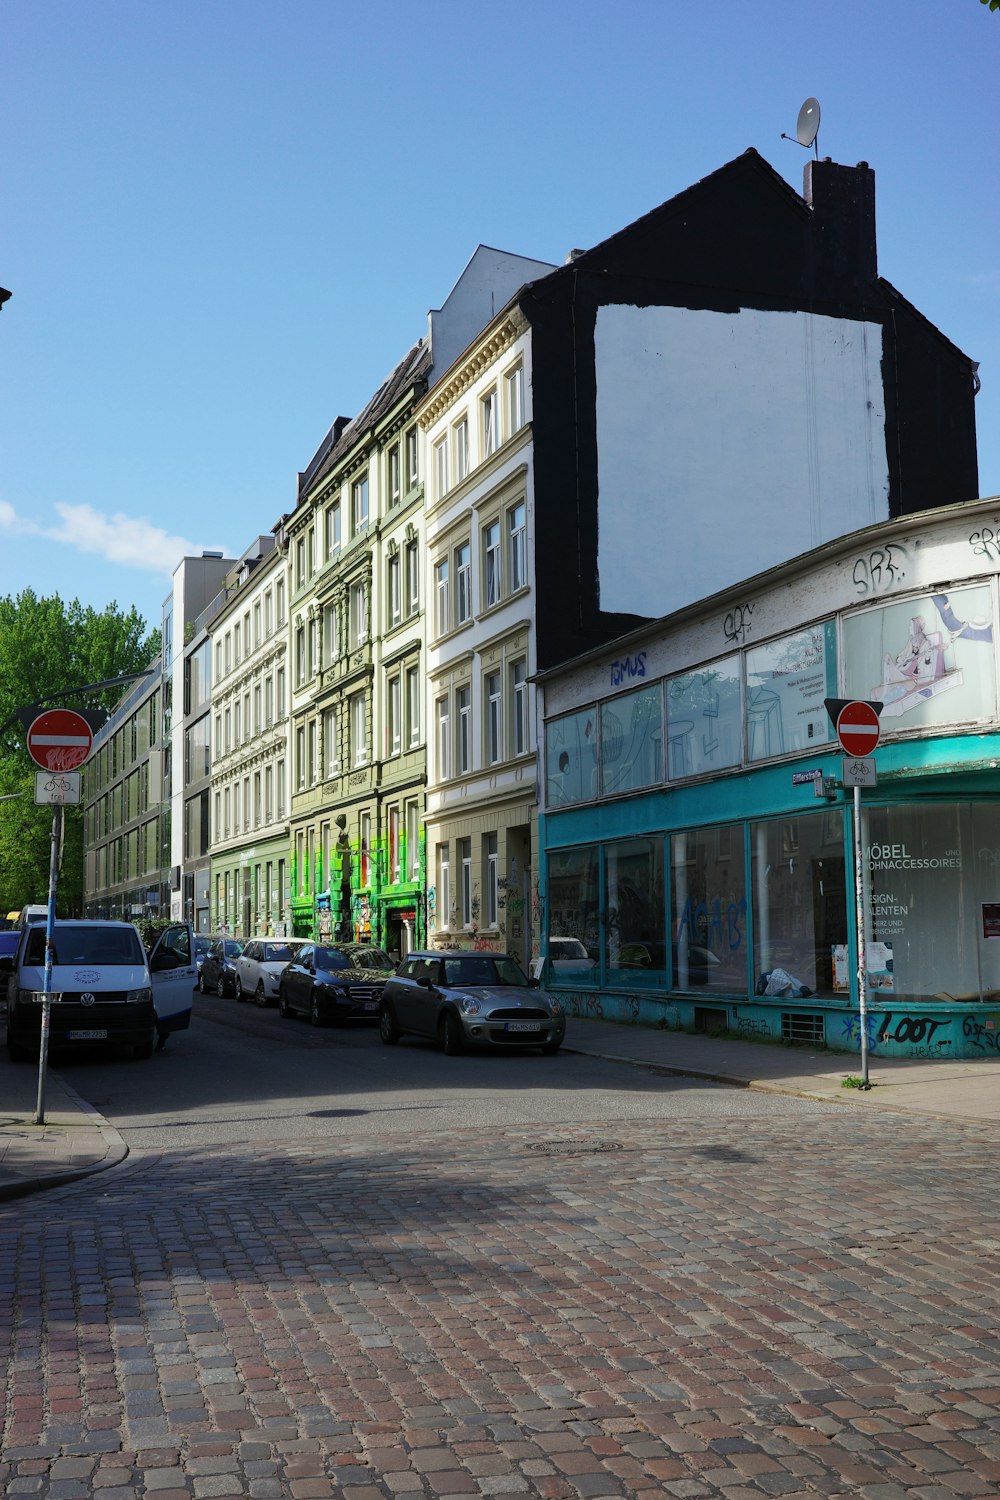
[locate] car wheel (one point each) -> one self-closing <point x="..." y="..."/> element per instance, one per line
<point x="388" y="1026"/>
<point x="551" y="1048"/>
<point x="220" y="987"/>
<point x="284" y="1009"/>
<point x="259" y="993"/>
<point x="315" y="1014"/>
<point x="452" y="1038"/>
<point x="238" y="987"/>
<point x="200" y="984"/>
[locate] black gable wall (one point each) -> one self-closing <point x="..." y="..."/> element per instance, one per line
<point x="742" y="238"/>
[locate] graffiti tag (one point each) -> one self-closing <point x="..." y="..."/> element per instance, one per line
<point x="985" y="543"/>
<point x="627" y="668"/>
<point x="736" y="625"/>
<point x="881" y="570"/>
<point x="982" y="1034"/>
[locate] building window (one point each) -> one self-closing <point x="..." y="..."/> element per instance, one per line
<point x="463" y="583"/>
<point x="494" y="719"/>
<point x="412" y="578"/>
<point x="279" y="693"/>
<point x="300" y="655"/>
<point x="268" y="612"/>
<point x="394" y="728"/>
<point x="300" y="862"/>
<point x="330" y="643"/>
<point x="300" y="562"/>
<point x="256" y="624"/>
<point x="332" y="529"/>
<point x="359" y="504"/>
<point x="394" y="599"/>
<point x="256" y="708"/>
<point x="444" y="886"/>
<point x="442" y="612"/>
<point x="313" y="752"/>
<point x="514" y="387"/>
<point x="460" y="440"/>
<point x="392" y="474"/>
<point x="412" y="706"/>
<point x="443" y="737"/>
<point x="237" y="653"/>
<point x="269" y="794"/>
<point x="518" y="708"/>
<point x="279" y="602"/>
<point x="491" y="880"/>
<point x="300" y="758"/>
<point x="359" y="613"/>
<point x="331" y="746"/>
<point x="359" y="730"/>
<point x="412" y="841"/>
<point x="517" y="573"/>
<point x="258" y="805"/>
<point x="394" y="852"/>
<point x="279" y="787"/>
<point x="490" y="418"/>
<point x="465" y="863"/>
<point x="441" y="467"/>
<point x="365" y="824"/>
<point x="463" y="710"/>
<point x="412" y="470"/>
<point x="311" y="551"/>
<point x="491" y="564"/>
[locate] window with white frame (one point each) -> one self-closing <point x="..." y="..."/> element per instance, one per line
<point x="460" y="443"/>
<point x="237" y="653"/>
<point x="279" y="602"/>
<point x="463" y="712"/>
<point x="268" y="611"/>
<point x="490" y="417"/>
<point x="491" y="564"/>
<point x="491" y="879"/>
<point x="310" y="551"/>
<point x="331" y="524"/>
<point x="465" y="865"/>
<point x="494" y="718"/>
<point x="313" y="752"/>
<point x="269" y="794"/>
<point x="514" y="391"/>
<point x="441" y="467"/>
<point x="394" y="727"/>
<point x="312" y="647"/>
<point x="359" y="504"/>
<point x="413" y="698"/>
<point x="331" y="742"/>
<point x="463" y="583"/>
<point x="300" y="758"/>
<point x="517" y="560"/>
<point x="280" y="698"/>
<point x="324" y="856"/>
<point x="394" y="595"/>
<point x="330" y="641"/>
<point x="411" y="556"/>
<point x="300" y="654"/>
<point x="395" y="868"/>
<point x="258" y="803"/>
<point x="442" y="612"/>
<point x="246" y="802"/>
<point x="257" y="726"/>
<point x="237" y="723"/>
<point x="300" y="862"/>
<point x="444" y="886"/>
<point x="279" y="788"/>
<point x="412" y="841"/>
<point x="365" y="831"/>
<point x="300" y="562"/>
<point x="359" y="613"/>
<point x="229" y="652"/>
<point x="392" y="488"/>
<point x="256" y="624"/>
<point x="412" y="459"/>
<point x="218" y="660"/>
<point x="226" y="803"/>
<point x="518" y="673"/>
<point x="443" y="719"/>
<point x="359" y="730"/>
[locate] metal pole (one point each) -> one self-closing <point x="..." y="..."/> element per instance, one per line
<point x="859" y="894"/>
<point x="43" y="1040"/>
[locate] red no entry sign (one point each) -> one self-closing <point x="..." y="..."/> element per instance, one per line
<point x="59" y="740"/>
<point x="858" y="728"/>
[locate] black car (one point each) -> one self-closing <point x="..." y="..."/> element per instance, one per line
<point x="328" y="984"/>
<point x="217" y="976"/>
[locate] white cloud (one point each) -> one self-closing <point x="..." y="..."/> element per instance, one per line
<point x="128" y="541"/>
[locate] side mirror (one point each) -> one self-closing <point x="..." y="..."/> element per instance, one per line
<point x="424" y="983"/>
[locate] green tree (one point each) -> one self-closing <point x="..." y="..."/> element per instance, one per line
<point x="993" y="4"/>
<point x="47" y="646"/>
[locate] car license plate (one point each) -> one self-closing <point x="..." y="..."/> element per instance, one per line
<point x="522" y="1026"/>
<point x="371" y="1005"/>
<point x="86" y="1036"/>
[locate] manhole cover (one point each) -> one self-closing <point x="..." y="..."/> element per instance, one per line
<point x="574" y="1148"/>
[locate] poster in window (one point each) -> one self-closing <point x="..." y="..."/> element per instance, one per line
<point x="787" y="681"/>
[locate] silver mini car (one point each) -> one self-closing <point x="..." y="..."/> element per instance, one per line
<point x="468" y="1000"/>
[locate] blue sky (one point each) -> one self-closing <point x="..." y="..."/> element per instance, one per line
<point x="224" y="221"/>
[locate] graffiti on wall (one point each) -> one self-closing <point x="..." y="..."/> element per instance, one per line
<point x="983" y="1032"/>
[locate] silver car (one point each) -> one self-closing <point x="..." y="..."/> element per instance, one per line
<point x="469" y="1000"/>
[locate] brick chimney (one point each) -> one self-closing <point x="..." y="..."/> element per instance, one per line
<point x="843" y="203"/>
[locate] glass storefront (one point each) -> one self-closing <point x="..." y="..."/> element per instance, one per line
<point x="800" y="906"/>
<point x="634" y="912"/>
<point x="709" y="909"/>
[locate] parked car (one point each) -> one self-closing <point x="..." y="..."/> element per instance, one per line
<point x="469" y="999"/>
<point x="258" y="968"/>
<point x="326" y="982"/>
<point x="217" y="975"/>
<point x="201" y="947"/>
<point x="364" y="956"/>
<point x="104" y="990"/>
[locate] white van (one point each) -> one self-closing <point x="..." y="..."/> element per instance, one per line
<point x="104" y="990"/>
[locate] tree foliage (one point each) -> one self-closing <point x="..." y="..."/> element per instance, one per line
<point x="46" y="647"/>
<point x="993" y="4"/>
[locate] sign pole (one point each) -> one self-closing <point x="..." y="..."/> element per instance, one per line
<point x="43" y="1040"/>
<point x="859" y="895"/>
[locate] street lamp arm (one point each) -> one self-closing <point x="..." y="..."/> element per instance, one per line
<point x="30" y="711"/>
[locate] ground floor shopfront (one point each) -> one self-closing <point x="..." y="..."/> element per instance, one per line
<point x="249" y="889"/>
<point x="731" y="905"/>
<point x="483" y="893"/>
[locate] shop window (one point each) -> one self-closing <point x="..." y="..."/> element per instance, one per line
<point x="926" y="660"/>
<point x="571" y="758"/>
<point x="787" y="681"/>
<point x="709" y="910"/>
<point x="574" y="938"/>
<point x="635" y="913"/>
<point x="800" y="906"/>
<point x="704" y="720"/>
<point x="632" y="741"/>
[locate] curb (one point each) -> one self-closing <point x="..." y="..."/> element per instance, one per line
<point x="115" y="1153"/>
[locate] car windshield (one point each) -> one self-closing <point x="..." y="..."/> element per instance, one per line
<point x="87" y="945"/>
<point x="331" y="958"/>
<point x="278" y="953"/>
<point x="233" y="948"/>
<point x="480" y="968"/>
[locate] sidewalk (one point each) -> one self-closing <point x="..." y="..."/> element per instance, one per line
<point x="76" y="1140"/>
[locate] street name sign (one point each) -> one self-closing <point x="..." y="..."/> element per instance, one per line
<point x="59" y="740"/>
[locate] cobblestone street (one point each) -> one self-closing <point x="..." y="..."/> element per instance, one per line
<point x="798" y="1301"/>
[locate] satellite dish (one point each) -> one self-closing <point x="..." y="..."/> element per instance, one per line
<point x="807" y="125"/>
